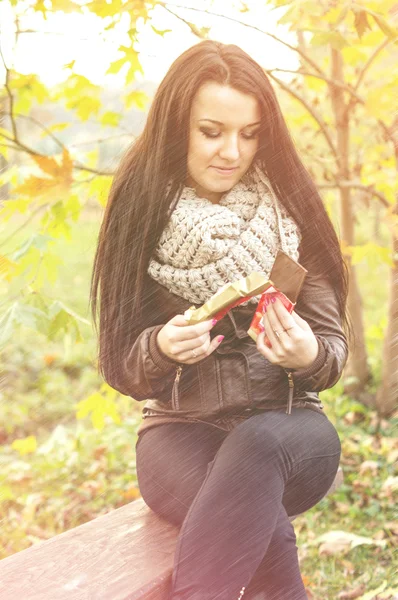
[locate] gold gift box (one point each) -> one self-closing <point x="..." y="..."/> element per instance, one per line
<point x="229" y="296"/>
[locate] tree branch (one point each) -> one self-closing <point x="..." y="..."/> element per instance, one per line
<point x="303" y="54"/>
<point x="344" y="86"/>
<point x="322" y="125"/>
<point x="191" y="26"/>
<point x="32" y="152"/>
<point x="10" y="96"/>
<point x="28" y="220"/>
<point x="357" y="186"/>
<point x="369" y="62"/>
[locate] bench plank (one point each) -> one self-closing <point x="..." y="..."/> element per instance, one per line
<point x="126" y="554"/>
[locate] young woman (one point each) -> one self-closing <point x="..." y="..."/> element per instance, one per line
<point x="208" y="193"/>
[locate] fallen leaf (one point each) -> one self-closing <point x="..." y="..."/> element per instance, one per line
<point x="332" y="548"/>
<point x="355" y="593"/>
<point x="338" y="541"/>
<point x="369" y="465"/>
<point x="390" y="485"/>
<point x="374" y="594"/>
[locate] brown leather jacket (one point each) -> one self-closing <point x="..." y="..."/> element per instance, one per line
<point x="235" y="379"/>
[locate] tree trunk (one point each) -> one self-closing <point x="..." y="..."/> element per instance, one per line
<point x="4" y="189"/>
<point x="357" y="372"/>
<point x="387" y="394"/>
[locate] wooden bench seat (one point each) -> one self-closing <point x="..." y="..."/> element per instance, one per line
<point x="126" y="554"/>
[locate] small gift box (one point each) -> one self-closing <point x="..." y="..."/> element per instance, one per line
<point x="228" y="297"/>
<point x="257" y="324"/>
<point x="288" y="277"/>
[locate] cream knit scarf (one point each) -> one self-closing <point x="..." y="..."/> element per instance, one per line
<point x="205" y="246"/>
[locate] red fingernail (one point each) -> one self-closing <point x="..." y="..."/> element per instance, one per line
<point x="214" y="321"/>
<point x="264" y="309"/>
<point x="273" y="300"/>
<point x="220" y="338"/>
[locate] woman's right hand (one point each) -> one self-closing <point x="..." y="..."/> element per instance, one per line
<point x="177" y="340"/>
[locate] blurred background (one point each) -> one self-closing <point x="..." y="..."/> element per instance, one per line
<point x="76" y="81"/>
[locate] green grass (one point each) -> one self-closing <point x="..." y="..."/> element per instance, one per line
<point x="78" y="473"/>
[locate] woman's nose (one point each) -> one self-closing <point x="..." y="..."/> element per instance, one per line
<point x="230" y="149"/>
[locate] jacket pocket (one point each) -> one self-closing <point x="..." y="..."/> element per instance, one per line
<point x="175" y="395"/>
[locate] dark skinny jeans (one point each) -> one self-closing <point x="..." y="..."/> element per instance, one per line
<point x="232" y="493"/>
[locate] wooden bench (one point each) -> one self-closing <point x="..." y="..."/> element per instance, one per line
<point x="124" y="555"/>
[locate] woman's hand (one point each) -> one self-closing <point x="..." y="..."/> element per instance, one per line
<point x="187" y="343"/>
<point x="294" y="346"/>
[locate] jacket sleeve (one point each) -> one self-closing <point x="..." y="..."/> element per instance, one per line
<point x="317" y="304"/>
<point x="146" y="371"/>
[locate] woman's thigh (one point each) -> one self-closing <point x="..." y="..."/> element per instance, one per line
<point x="172" y="462"/>
<point x="304" y="447"/>
<point x="316" y="461"/>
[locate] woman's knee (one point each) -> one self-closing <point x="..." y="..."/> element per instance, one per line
<point x="255" y="443"/>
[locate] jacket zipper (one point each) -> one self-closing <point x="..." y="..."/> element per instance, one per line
<point x="175" y="402"/>
<point x="291" y="391"/>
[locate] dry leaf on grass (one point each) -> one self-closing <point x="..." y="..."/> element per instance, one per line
<point x="381" y="593"/>
<point x="339" y="542"/>
<point x="352" y="594"/>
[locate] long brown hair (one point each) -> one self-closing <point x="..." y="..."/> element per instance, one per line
<point x="140" y="196"/>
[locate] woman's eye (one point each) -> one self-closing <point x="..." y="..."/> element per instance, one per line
<point x="250" y="136"/>
<point x="210" y="134"/>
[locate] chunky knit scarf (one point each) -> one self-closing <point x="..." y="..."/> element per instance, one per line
<point x="205" y="246"/>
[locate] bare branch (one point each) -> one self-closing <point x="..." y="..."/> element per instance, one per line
<point x="339" y="84"/>
<point x="191" y="26"/>
<point x="10" y="96"/>
<point x="368" y="189"/>
<point x="24" y="224"/>
<point x="364" y="70"/>
<point x="370" y="60"/>
<point x="39" y="124"/>
<point x="60" y="33"/>
<point x="303" y="54"/>
<point x="32" y="152"/>
<point x="322" y="125"/>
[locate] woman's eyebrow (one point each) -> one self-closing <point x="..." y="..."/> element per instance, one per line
<point x="221" y="123"/>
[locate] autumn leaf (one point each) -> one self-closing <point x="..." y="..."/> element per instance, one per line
<point x="49" y="359"/>
<point x="7" y="268"/>
<point x="26" y="445"/>
<point x="361" y="22"/>
<point x="340" y="542"/>
<point x="352" y="594"/>
<point x="61" y="177"/>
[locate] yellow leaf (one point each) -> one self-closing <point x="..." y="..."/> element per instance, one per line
<point x="47" y="164"/>
<point x="110" y="118"/>
<point x="137" y="98"/>
<point x="99" y="188"/>
<point x="69" y="65"/>
<point x="35" y="186"/>
<point x="116" y="65"/>
<point x="50" y="166"/>
<point x="353" y="55"/>
<point x="88" y="106"/>
<point x="314" y="83"/>
<point x="7" y="268"/>
<point x="54" y="128"/>
<point x="26" y="445"/>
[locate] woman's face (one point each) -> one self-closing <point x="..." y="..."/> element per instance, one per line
<point x="223" y="139"/>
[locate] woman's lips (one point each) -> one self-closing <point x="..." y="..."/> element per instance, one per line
<point x="223" y="171"/>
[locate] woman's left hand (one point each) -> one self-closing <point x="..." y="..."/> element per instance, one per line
<point x="294" y="346"/>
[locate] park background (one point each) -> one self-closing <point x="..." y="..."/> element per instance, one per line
<point x="76" y="81"/>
